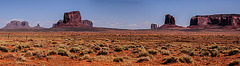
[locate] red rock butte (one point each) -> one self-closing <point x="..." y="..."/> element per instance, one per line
<point x="169" y="23"/>
<point x="72" y="19"/>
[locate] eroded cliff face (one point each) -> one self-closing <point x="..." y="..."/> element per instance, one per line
<point x="169" y="19"/>
<point x="229" y="21"/>
<point x="72" y="19"/>
<point x="170" y="23"/>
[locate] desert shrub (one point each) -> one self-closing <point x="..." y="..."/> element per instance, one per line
<point x="222" y="48"/>
<point x="233" y="52"/>
<point x="25" y="46"/>
<point x="107" y="40"/>
<point x="125" y="47"/>
<point x="54" y="42"/>
<point x="52" y="52"/>
<point x="215" y="53"/>
<point x="213" y="47"/>
<point x="204" y="53"/>
<point x="186" y="59"/>
<point x="105" y="48"/>
<point x="184" y="51"/>
<point x="143" y="59"/>
<point x="16" y="48"/>
<point x="170" y="60"/>
<point x="115" y="41"/>
<point x="28" y="54"/>
<point x="135" y="51"/>
<point x="164" y="48"/>
<point x="19" y="47"/>
<point x="37" y="53"/>
<point x="76" y="45"/>
<point x="224" y="52"/>
<point x="62" y="46"/>
<point x="103" y="45"/>
<point x="118" y="49"/>
<point x="193" y="53"/>
<point x="97" y="47"/>
<point x="4" y="49"/>
<point x="86" y="51"/>
<point x="90" y="45"/>
<point x="37" y="45"/>
<point x="75" y="49"/>
<point x="21" y="59"/>
<point x="30" y="39"/>
<point x="143" y="54"/>
<point x="131" y="46"/>
<point x="169" y="45"/>
<point x="9" y="56"/>
<point x="86" y="56"/>
<point x="165" y="52"/>
<point x="118" y="59"/>
<point x="103" y="52"/>
<point x="152" y="51"/>
<point x="63" y="52"/>
<point x="235" y="62"/>
<point x="74" y="56"/>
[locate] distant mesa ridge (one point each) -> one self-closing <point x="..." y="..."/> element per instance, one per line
<point x="217" y="21"/>
<point x="20" y="25"/>
<point x="72" y="19"/>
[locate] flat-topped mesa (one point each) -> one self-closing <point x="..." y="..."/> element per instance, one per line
<point x="72" y="19"/>
<point x="73" y="16"/>
<point x="17" y="25"/>
<point x="169" y="19"/>
<point x="230" y="21"/>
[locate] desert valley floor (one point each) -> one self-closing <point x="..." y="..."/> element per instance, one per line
<point x="120" y="47"/>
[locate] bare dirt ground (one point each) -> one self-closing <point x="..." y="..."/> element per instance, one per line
<point x="121" y="47"/>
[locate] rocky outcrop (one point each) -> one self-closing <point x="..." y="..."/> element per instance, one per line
<point x="154" y="26"/>
<point x="21" y="25"/>
<point x="17" y="25"/>
<point x="88" y="23"/>
<point x="169" y="22"/>
<point x="72" y="19"/>
<point x="59" y="22"/>
<point x="228" y="21"/>
<point x="169" y="19"/>
<point x="38" y="27"/>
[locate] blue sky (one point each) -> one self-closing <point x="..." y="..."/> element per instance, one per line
<point x="125" y="14"/>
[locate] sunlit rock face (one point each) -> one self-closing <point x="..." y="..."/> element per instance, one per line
<point x="218" y="21"/>
<point x="72" y="19"/>
<point x="169" y="22"/>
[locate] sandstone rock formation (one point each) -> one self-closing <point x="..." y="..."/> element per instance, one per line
<point x="17" y="25"/>
<point x="169" y="19"/>
<point x="21" y="25"/>
<point x="228" y="21"/>
<point x="88" y="23"/>
<point x="169" y="22"/>
<point x="38" y="27"/>
<point x="72" y="19"/>
<point x="154" y="26"/>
